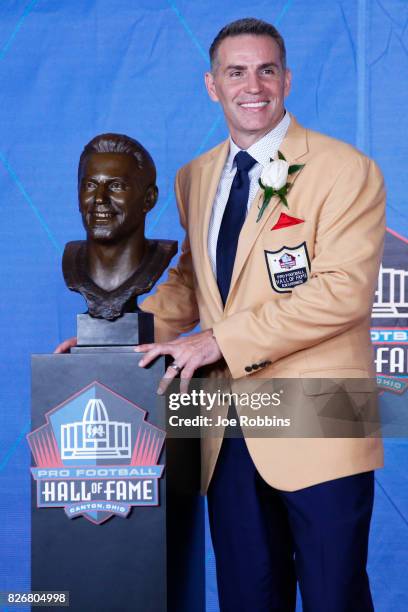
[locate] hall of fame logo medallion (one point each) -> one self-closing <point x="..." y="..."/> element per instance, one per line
<point x="96" y="456"/>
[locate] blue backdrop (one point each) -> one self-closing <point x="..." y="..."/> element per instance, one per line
<point x="72" y="69"/>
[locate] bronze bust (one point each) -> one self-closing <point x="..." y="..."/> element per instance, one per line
<point x="116" y="263"/>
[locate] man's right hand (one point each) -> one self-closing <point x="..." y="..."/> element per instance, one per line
<point x="66" y="346"/>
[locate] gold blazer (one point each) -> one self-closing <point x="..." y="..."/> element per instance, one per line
<point x="272" y="327"/>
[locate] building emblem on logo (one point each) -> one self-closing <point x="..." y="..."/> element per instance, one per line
<point x="391" y="297"/>
<point x="97" y="456"/>
<point x="287" y="261"/>
<point x="95" y="437"/>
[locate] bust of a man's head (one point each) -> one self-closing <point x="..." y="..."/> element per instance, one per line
<point x="116" y="188"/>
<point x="116" y="263"/>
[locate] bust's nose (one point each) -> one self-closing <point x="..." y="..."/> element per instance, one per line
<point x="101" y="194"/>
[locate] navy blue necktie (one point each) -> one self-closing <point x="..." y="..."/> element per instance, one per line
<point x="232" y="222"/>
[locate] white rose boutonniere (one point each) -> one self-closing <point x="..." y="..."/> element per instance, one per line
<point x="275" y="174"/>
<point x="274" y="181"/>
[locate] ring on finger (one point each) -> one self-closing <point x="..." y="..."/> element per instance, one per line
<point x="175" y="367"/>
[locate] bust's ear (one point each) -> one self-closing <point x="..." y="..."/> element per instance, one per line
<point x="152" y="193"/>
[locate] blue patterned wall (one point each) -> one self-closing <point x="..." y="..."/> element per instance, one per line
<point x="72" y="69"/>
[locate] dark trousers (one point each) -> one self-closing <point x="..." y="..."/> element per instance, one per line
<point x="265" y="540"/>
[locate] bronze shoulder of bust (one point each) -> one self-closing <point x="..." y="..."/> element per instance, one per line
<point x="111" y="304"/>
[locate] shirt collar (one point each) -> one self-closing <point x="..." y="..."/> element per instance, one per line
<point x="264" y="148"/>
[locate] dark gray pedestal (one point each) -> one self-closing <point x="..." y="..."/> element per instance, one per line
<point x="151" y="561"/>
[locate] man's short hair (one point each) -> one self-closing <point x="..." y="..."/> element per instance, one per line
<point x="248" y="25"/>
<point x="120" y="143"/>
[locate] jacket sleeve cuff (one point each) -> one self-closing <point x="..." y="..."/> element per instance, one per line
<point x="242" y="357"/>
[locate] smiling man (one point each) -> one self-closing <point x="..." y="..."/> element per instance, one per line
<point x="281" y="278"/>
<point x="250" y="79"/>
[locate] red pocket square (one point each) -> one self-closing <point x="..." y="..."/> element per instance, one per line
<point x="286" y="221"/>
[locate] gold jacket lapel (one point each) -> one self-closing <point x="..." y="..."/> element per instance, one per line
<point x="209" y="180"/>
<point x="294" y="144"/>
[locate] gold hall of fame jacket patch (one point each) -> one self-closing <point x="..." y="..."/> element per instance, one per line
<point x="288" y="267"/>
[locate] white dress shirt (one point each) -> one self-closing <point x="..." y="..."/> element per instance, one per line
<point x="261" y="151"/>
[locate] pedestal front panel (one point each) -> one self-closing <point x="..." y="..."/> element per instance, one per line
<point x="108" y="522"/>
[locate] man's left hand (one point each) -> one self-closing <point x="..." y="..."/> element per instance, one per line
<point x="189" y="354"/>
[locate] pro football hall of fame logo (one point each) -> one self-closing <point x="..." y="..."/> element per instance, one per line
<point x="96" y="456"/>
<point x="389" y="331"/>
